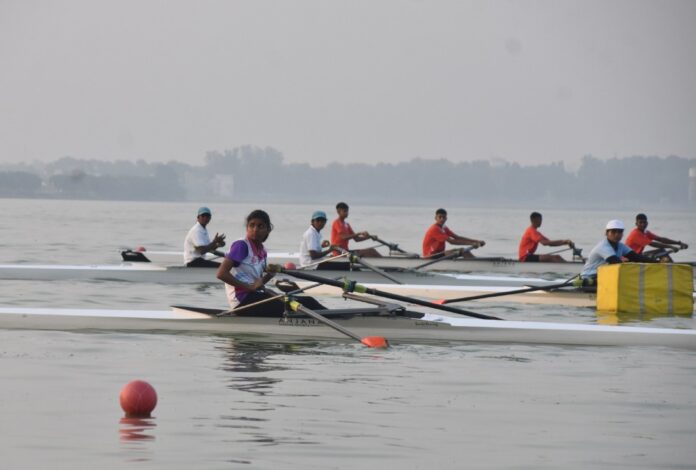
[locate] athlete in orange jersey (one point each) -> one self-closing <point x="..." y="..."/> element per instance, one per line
<point x="342" y="233"/>
<point x="640" y="237"/>
<point x="531" y="239"/>
<point x="438" y="235"/>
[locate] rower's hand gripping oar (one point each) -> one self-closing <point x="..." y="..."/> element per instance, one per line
<point x="508" y="292"/>
<point x="369" y="341"/>
<point x="352" y="286"/>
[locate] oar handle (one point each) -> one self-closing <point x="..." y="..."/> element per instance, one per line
<point x="352" y="286"/>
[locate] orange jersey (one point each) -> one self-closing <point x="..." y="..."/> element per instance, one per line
<point x="339" y="228"/>
<point x="434" y="240"/>
<point x="637" y="240"/>
<point x="530" y="242"/>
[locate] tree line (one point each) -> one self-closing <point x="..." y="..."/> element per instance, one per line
<point x="260" y="174"/>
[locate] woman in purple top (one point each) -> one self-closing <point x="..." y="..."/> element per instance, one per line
<point x="245" y="272"/>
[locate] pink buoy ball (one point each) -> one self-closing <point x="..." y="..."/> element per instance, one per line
<point x="290" y="265"/>
<point x="138" y="398"/>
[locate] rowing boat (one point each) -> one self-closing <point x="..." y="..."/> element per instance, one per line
<point x="494" y="265"/>
<point x="397" y="325"/>
<point x="423" y="285"/>
<point x="498" y="265"/>
<point x="149" y="272"/>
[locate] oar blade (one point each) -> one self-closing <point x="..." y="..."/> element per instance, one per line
<point x="378" y="342"/>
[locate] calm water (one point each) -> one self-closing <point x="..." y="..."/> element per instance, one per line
<point x="227" y="402"/>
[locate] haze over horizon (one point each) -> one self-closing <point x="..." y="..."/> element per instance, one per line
<point x="322" y="82"/>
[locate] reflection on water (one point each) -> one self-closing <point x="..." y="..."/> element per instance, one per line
<point x="244" y="357"/>
<point x="136" y="429"/>
<point x="135" y="438"/>
<point x="617" y="318"/>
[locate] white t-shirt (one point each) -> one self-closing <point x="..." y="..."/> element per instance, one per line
<point x="311" y="241"/>
<point x="197" y="236"/>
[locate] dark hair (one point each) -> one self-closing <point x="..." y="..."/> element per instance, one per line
<point x="261" y="215"/>
<point x="440" y="211"/>
<point x="534" y="215"/>
<point x="341" y="205"/>
<point x="641" y="216"/>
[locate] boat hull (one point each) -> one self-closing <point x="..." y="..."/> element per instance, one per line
<point x="431" y="328"/>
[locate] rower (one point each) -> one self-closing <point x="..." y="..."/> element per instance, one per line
<point x="342" y="233"/>
<point x="609" y="251"/>
<point x="437" y="235"/>
<point x="197" y="242"/>
<point x="311" y="245"/>
<point x="245" y="271"/>
<point x="531" y="239"/>
<point x="640" y="237"/>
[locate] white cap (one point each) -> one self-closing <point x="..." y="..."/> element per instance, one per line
<point x="615" y="224"/>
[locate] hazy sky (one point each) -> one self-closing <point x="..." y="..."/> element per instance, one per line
<point x="352" y="81"/>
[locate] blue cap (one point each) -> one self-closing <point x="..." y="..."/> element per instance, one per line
<point x="319" y="215"/>
<point x="204" y="210"/>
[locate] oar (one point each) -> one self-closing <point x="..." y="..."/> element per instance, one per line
<point x="268" y="299"/>
<point x="391" y="246"/>
<point x="456" y="254"/>
<point x="331" y="258"/>
<point x="352" y="286"/>
<point x="508" y="292"/>
<point x="369" y="341"/>
<point x="358" y="259"/>
<point x="559" y="251"/>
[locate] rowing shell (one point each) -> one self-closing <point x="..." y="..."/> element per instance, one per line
<point x="404" y="327"/>
<point x="497" y="265"/>
<point x="149" y="272"/>
<point x="479" y="265"/>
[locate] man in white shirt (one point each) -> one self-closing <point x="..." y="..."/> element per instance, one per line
<point x="197" y="242"/>
<point x="609" y="250"/>
<point x="310" y="248"/>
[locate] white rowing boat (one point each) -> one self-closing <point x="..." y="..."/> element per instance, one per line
<point x="398" y="326"/>
<point x="494" y="265"/>
<point x="478" y="265"/>
<point x="149" y="272"/>
<point x="428" y="286"/>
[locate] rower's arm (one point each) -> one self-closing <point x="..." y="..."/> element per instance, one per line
<point x="663" y="245"/>
<point x="457" y="240"/>
<point x="223" y="273"/>
<point x="668" y="241"/>
<point x="218" y="242"/>
<point x="361" y="236"/>
<point x="636" y="258"/>
<point x="314" y="254"/>
<point x="547" y="242"/>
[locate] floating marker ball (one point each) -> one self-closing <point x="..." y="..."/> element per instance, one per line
<point x="290" y="265"/>
<point x="138" y="398"/>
